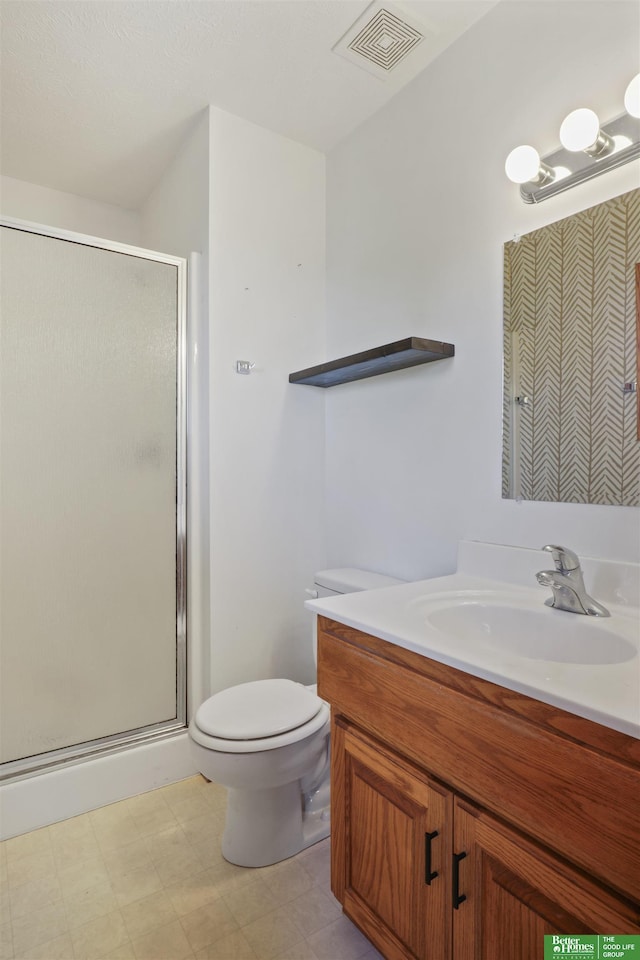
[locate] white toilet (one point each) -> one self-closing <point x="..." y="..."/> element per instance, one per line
<point x="268" y="742"/>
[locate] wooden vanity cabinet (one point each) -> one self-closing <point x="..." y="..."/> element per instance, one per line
<point x="391" y="828"/>
<point x="516" y="892"/>
<point x="468" y="821"/>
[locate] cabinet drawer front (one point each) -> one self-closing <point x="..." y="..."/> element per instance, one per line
<point x="575" y="799"/>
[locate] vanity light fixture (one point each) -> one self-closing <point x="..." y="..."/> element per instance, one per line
<point x="588" y="149"/>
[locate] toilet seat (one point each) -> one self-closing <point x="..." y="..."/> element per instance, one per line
<point x="262" y="708"/>
<point x="257" y="716"/>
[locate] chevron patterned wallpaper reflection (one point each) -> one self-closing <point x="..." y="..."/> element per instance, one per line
<point x="570" y="345"/>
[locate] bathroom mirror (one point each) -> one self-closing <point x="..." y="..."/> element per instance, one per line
<point x="571" y="328"/>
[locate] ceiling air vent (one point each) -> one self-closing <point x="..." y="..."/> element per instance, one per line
<point x="380" y="39"/>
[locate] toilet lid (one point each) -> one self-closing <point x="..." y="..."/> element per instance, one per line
<point x="262" y="708"/>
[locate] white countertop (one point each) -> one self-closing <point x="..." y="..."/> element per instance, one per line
<point x="606" y="692"/>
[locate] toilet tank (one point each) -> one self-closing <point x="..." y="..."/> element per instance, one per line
<point x="329" y="583"/>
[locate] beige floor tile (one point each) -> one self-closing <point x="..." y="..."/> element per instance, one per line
<point x="36" y="928"/>
<point x="205" y="841"/>
<point x="113" y="826"/>
<point x="75" y="850"/>
<point x="6" y="941"/>
<point x="5" y="903"/>
<point x="208" y="820"/>
<point x="145" y="915"/>
<point x="286" y="880"/>
<point x="86" y="905"/>
<point x="208" y="851"/>
<point x="93" y="940"/>
<point x="126" y="895"/>
<point x="117" y="833"/>
<point x="271" y="935"/>
<point x="316" y="861"/>
<point x="34" y="895"/>
<point x="59" y="949"/>
<point x="301" y="951"/>
<point x="233" y="947"/>
<point x="208" y="924"/>
<point x="123" y="952"/>
<point x="226" y="877"/>
<point x="151" y="814"/>
<point x="190" y="808"/>
<point x="216" y="796"/>
<point x="29" y="844"/>
<point x="250" y="902"/>
<point x="167" y="843"/>
<point x="35" y="866"/>
<point x="192" y="893"/>
<point x="161" y="819"/>
<point x="129" y="887"/>
<point x="80" y="877"/>
<point x="313" y="910"/>
<point x="133" y="856"/>
<point x="168" y="942"/>
<point x="341" y="940"/>
<point x="179" y="866"/>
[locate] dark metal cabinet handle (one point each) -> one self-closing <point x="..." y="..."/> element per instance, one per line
<point x="458" y="898"/>
<point x="429" y="875"/>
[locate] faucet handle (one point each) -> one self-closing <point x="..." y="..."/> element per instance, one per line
<point x="564" y="559"/>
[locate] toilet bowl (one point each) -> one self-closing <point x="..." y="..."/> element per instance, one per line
<point x="277" y="778"/>
<point x="267" y="741"/>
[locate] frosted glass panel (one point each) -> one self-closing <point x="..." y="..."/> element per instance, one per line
<point x="88" y="494"/>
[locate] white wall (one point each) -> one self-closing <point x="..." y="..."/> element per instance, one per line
<point x="418" y="210"/>
<point x="67" y="211"/>
<point x="175" y="219"/>
<point x="267" y="268"/>
<point x="175" y="216"/>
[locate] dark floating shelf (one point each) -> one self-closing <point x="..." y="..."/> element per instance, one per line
<point x="392" y="356"/>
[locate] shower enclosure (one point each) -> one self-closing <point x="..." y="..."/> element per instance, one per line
<point x="92" y="497"/>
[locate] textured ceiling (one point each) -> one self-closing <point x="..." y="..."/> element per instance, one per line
<point x="97" y="96"/>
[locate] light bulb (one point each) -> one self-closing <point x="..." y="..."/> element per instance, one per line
<point x="522" y="164"/>
<point x="579" y="130"/>
<point x="632" y="97"/>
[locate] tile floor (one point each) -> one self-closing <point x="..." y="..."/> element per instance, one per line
<point x="144" y="879"/>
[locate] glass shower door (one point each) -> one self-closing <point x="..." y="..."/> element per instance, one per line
<point x="92" y="578"/>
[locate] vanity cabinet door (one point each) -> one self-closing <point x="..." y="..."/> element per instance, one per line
<point x="508" y="893"/>
<point x="391" y="833"/>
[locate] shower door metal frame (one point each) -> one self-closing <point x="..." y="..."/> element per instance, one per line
<point x="41" y="763"/>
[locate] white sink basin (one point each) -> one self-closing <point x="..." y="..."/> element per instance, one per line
<point x="544" y="634"/>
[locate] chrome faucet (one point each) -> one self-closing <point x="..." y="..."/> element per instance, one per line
<point x="567" y="584"/>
